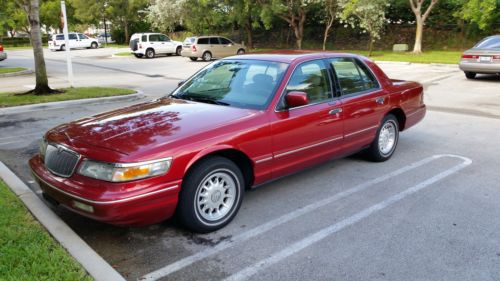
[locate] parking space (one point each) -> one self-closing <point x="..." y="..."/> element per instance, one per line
<point x="430" y="213"/>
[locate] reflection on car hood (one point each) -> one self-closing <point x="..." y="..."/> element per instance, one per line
<point x="150" y="124"/>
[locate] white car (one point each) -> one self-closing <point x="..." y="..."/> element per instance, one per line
<point x="76" y="41"/>
<point x="151" y="44"/>
<point x="3" y="55"/>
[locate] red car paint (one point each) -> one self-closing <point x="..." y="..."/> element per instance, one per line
<point x="274" y="143"/>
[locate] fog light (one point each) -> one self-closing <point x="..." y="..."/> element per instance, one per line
<point x="81" y="206"/>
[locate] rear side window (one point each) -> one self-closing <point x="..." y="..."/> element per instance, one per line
<point x="214" y="41"/>
<point x="154" y="38"/>
<point x="144" y="38"/>
<point x="72" y="36"/>
<point x="60" y="37"/>
<point x="353" y="76"/>
<point x="203" y="41"/>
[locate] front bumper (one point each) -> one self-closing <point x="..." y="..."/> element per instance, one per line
<point x="489" y="68"/>
<point x="152" y="202"/>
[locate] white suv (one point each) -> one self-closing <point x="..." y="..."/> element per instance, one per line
<point x="151" y="44"/>
<point x="76" y="40"/>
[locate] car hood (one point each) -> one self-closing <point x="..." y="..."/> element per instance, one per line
<point x="151" y="124"/>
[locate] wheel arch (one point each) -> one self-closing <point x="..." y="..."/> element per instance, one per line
<point x="239" y="158"/>
<point x="400" y="115"/>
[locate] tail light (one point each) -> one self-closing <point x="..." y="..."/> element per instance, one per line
<point x="496" y="57"/>
<point x="193" y="48"/>
<point x="1" y="48"/>
<point x="464" y="56"/>
<point x="140" y="46"/>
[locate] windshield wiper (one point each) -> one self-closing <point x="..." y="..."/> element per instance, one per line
<point x="203" y="99"/>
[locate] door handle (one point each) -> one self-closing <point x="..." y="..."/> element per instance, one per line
<point x="380" y="100"/>
<point x="335" y="111"/>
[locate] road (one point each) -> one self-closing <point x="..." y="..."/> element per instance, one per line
<point x="424" y="215"/>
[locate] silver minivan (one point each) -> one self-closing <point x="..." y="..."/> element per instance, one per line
<point x="208" y="47"/>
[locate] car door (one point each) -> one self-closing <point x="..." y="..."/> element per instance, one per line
<point x="364" y="102"/>
<point x="308" y="134"/>
<point x="154" y="42"/>
<point x="84" y="41"/>
<point x="73" y="41"/>
<point x="215" y="47"/>
<point x="166" y="44"/>
<point x="227" y="46"/>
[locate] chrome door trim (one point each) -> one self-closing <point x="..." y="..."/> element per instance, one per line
<point x="306" y="147"/>
<point x="361" y="131"/>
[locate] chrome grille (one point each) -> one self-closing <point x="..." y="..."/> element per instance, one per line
<point x="60" y="160"/>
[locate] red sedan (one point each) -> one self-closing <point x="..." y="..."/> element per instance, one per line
<point x="237" y="123"/>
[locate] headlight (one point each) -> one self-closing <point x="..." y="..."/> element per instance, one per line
<point x="124" y="172"/>
<point x="43" y="147"/>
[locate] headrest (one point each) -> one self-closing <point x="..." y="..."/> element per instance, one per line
<point x="262" y="79"/>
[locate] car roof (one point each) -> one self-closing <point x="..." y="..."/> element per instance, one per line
<point x="291" y="56"/>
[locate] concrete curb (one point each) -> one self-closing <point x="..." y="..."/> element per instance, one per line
<point x="18" y="73"/>
<point x="94" y="264"/>
<point x="49" y="105"/>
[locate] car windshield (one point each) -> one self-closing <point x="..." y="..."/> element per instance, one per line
<point x="489" y="43"/>
<point x="240" y="83"/>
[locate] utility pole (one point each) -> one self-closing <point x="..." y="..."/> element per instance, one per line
<point x="66" y="44"/>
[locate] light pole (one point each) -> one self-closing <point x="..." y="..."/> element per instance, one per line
<point x="66" y="44"/>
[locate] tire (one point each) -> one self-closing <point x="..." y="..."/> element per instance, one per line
<point x="178" y="51"/>
<point x="94" y="45"/>
<point x="138" y="56"/>
<point x="63" y="48"/>
<point x="215" y="183"/>
<point x="193" y="58"/>
<point x="470" y="75"/>
<point x="207" y="56"/>
<point x="386" y="140"/>
<point x="150" y="53"/>
<point x="241" y="52"/>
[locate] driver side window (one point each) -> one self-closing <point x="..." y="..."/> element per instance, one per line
<point x="312" y="78"/>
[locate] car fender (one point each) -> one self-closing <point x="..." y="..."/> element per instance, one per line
<point x="206" y="151"/>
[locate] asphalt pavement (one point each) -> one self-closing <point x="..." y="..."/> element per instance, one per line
<point x="429" y="213"/>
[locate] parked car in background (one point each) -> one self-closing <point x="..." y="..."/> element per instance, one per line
<point x="150" y="45"/>
<point x="76" y="41"/>
<point x="105" y="38"/>
<point x="3" y="54"/>
<point x="208" y="47"/>
<point x="237" y="123"/>
<point x="483" y="58"/>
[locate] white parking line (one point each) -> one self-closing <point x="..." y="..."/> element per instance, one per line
<point x="182" y="263"/>
<point x="249" y="271"/>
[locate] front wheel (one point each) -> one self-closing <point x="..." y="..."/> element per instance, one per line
<point x="211" y="195"/>
<point x="386" y="140"/>
<point x="178" y="51"/>
<point x="470" y="75"/>
<point x="94" y="45"/>
<point x="241" y="52"/>
<point x="193" y="58"/>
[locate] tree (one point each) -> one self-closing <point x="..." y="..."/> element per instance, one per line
<point x="330" y="7"/>
<point x="32" y="9"/>
<point x="416" y="7"/>
<point x="246" y="14"/>
<point x="369" y="15"/>
<point x="165" y="15"/>
<point x="12" y="18"/>
<point x="480" y="12"/>
<point x="294" y="12"/>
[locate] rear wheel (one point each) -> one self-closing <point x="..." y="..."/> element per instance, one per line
<point x="178" y="51"/>
<point x="150" y="53"/>
<point x="240" y="52"/>
<point x="386" y="140"/>
<point x="63" y="48"/>
<point x="207" y="56"/>
<point x="94" y="45"/>
<point x="193" y="58"/>
<point x="211" y="195"/>
<point x="470" y="75"/>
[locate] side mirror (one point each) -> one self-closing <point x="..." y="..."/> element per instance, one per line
<point x="181" y="83"/>
<point x="296" y="99"/>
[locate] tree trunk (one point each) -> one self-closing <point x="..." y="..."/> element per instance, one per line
<point x="249" y="31"/>
<point x="125" y="27"/>
<point x="417" y="48"/>
<point x="42" y="82"/>
<point x="370" y="47"/>
<point x="327" y="30"/>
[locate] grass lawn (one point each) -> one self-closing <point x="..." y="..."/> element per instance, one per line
<point x="10" y="99"/>
<point x="123" y="54"/>
<point x="27" y="251"/>
<point x="11" y="69"/>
